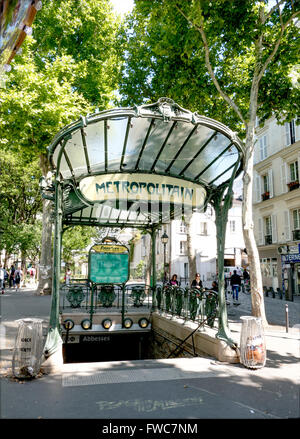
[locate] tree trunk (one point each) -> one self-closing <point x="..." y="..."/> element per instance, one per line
<point x="45" y="265"/>
<point x="257" y="299"/>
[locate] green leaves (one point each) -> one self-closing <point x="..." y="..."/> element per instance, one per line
<point x="165" y="56"/>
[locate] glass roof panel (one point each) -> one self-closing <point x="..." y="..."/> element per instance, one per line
<point x="209" y="153"/>
<point x="224" y="162"/>
<point x="75" y="152"/>
<point x="64" y="168"/>
<point x="95" y="145"/>
<point x="193" y="146"/>
<point x="115" y="140"/>
<point x="177" y="138"/>
<point x="154" y="143"/>
<point x="136" y="137"/>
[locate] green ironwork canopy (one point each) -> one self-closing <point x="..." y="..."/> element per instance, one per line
<point x="142" y="165"/>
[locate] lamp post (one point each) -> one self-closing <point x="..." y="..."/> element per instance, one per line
<point x="164" y="240"/>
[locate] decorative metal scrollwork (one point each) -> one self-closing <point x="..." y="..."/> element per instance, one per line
<point x="107" y="295"/>
<point x="75" y="296"/>
<point x="138" y="295"/>
<point x="211" y="305"/>
<point x="195" y="302"/>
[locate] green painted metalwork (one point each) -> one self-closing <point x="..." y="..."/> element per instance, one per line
<point x="221" y="200"/>
<point x="107" y="295"/>
<point x="188" y="303"/>
<point x="75" y="296"/>
<point x="161" y="139"/>
<point x="53" y="337"/>
<point x="138" y="294"/>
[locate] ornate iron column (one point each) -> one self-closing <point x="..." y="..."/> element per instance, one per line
<point x="221" y="200"/>
<point x="54" y="340"/>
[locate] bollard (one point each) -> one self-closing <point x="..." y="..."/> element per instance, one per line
<point x="286" y="317"/>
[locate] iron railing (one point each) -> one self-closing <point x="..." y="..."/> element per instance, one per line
<point x="188" y="303"/>
<point x="85" y="295"/>
<point x="200" y="306"/>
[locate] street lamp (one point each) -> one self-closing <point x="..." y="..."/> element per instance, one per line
<point x="164" y="240"/>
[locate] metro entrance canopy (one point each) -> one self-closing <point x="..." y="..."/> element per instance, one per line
<point x="141" y="167"/>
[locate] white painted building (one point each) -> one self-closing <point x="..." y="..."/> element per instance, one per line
<point x="276" y="203"/>
<point x="203" y="230"/>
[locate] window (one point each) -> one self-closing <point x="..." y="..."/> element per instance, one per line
<point x="263" y="147"/>
<point x="182" y="227"/>
<point x="265" y="183"/>
<point x="294" y="172"/>
<point x="289" y="133"/>
<point x="232" y="226"/>
<point x="183" y="248"/>
<point x="268" y="225"/>
<point x="268" y="230"/>
<point x="203" y="228"/>
<point x="296" y="219"/>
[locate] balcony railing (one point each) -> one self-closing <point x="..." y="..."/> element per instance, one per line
<point x="293" y="185"/>
<point x="268" y="239"/>
<point x="296" y="235"/>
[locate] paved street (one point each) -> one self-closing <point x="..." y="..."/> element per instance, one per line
<point x="196" y="388"/>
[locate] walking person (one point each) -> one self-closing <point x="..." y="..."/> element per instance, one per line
<point x="235" y="282"/>
<point x="2" y="278"/>
<point x="68" y="276"/>
<point x="12" y="276"/>
<point x="18" y="278"/>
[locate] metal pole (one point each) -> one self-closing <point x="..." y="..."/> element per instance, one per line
<point x="164" y="279"/>
<point x="286" y="317"/>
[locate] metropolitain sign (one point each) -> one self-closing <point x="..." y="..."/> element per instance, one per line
<point x="142" y="187"/>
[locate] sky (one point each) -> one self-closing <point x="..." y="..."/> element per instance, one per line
<point x="122" y="6"/>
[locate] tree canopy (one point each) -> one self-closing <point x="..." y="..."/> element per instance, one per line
<point x="165" y="56"/>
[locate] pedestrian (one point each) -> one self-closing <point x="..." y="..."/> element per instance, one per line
<point x="32" y="274"/>
<point x="214" y="286"/>
<point x="235" y="282"/>
<point x="6" y="276"/>
<point x="246" y="275"/>
<point x="2" y="278"/>
<point x="12" y="276"/>
<point x="174" y="280"/>
<point x="197" y="282"/>
<point x="18" y="278"/>
<point x="68" y="276"/>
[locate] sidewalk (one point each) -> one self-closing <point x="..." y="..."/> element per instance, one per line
<point x="196" y="388"/>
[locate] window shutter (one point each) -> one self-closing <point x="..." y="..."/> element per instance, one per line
<point x="287" y="226"/>
<point x="274" y="228"/>
<point x="287" y="134"/>
<point x="284" y="174"/>
<point x="257" y="189"/>
<point x="260" y="231"/>
<point x="265" y="147"/>
<point x="270" y="180"/>
<point x="297" y="130"/>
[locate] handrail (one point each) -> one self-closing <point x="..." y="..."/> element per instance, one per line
<point x="190" y="335"/>
<point x="172" y="341"/>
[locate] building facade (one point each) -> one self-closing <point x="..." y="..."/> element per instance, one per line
<point x="276" y="204"/>
<point x="202" y="230"/>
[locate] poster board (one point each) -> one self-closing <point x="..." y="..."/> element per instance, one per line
<point x="109" y="264"/>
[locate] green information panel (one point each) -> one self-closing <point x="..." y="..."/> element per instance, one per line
<point x="109" y="266"/>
